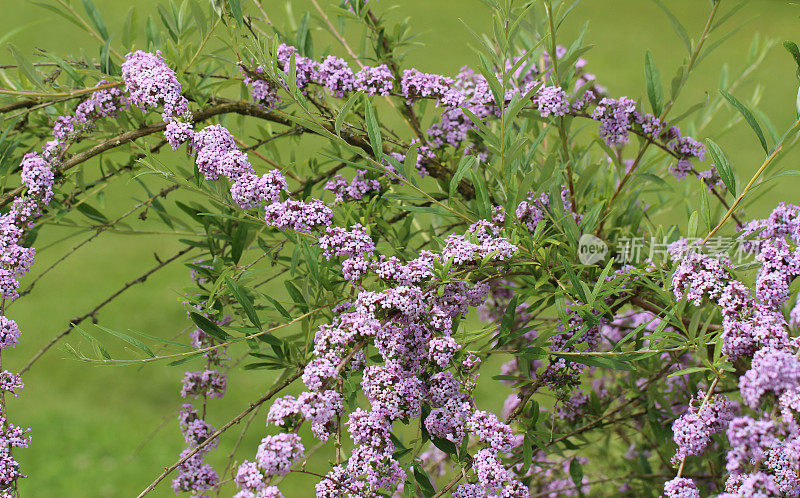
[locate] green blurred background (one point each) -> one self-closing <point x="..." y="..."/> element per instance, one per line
<point x="88" y="423"/>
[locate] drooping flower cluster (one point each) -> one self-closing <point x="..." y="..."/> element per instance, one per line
<point x="195" y="475"/>
<point x="411" y="329"/>
<point x="692" y="431"/>
<point x="764" y="451"/>
<point x="357" y="188"/>
<point x="261" y="90"/>
<point x="150" y="82"/>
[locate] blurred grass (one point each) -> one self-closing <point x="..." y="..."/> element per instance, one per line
<point x="88" y="422"/>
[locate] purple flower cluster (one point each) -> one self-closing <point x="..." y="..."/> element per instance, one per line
<point x="493" y="478"/>
<point x="338" y="242"/>
<point x="195" y="475"/>
<point x="377" y="80"/>
<point x="150" y="82"/>
<point x="681" y="487"/>
<point x="261" y="89"/>
<point x="277" y="453"/>
<point x="692" y="431"/>
<point x="298" y="216"/>
<point x="480" y="241"/>
<point x="217" y="154"/>
<point x="747" y="323"/>
<point x="356" y="189"/>
<point x="251" y="191"/>
<point x="210" y="383"/>
<point x="334" y="74"/>
<point x="764" y="452"/>
<point x="103" y="103"/>
<point x="551" y="101"/>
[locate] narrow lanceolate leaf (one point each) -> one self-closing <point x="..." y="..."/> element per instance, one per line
<point x="245" y="302"/>
<point x="199" y="17"/>
<point x="791" y="47"/>
<point x="424" y="482"/>
<point x="25" y="67"/>
<point x="99" y="349"/>
<point x="208" y="326"/>
<point x="576" y="472"/>
<point x="374" y="132"/>
<point x="676" y="26"/>
<point x="723" y="166"/>
<point x="691" y="231"/>
<point x="409" y="170"/>
<point x="345" y="109"/>
<point x="653" y="80"/>
<point x="464" y="165"/>
<point x="595" y="361"/>
<point x="748" y="116"/>
<point x="92" y="213"/>
<point x="97" y="20"/>
<point x="278" y="306"/>
<point x="297" y="296"/>
<point x="236" y="10"/>
<point x="130" y="340"/>
<point x="508" y="319"/>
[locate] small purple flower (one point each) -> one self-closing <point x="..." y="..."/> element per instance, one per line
<point x="277" y="453"/>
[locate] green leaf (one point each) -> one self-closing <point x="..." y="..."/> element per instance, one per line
<point x="199" y="18"/>
<point x="345" y="109"/>
<point x="297" y="296"/>
<point x="61" y="12"/>
<point x="676" y="26"/>
<point x="130" y="340"/>
<point x="97" y="20"/>
<point x="481" y="195"/>
<point x="245" y="301"/>
<point x="705" y="208"/>
<point x="444" y="444"/>
<point x="576" y="283"/>
<point x="576" y="472"/>
<point x="106" y="65"/>
<point x="278" y="306"/>
<point x="208" y="326"/>
<point x="236" y="10"/>
<point x="791" y="47"/>
<point x="92" y="213"/>
<point x="424" y="482"/>
<point x="409" y="169"/>
<point x="464" y="165"/>
<point x="691" y="231"/>
<point x="151" y="33"/>
<point x="688" y="371"/>
<point x="508" y="319"/>
<point x="723" y="166"/>
<point x="25" y="68"/>
<point x="99" y="349"/>
<point x="596" y="361"/>
<point x="373" y="130"/>
<point x="748" y="116"/>
<point x="653" y="80"/>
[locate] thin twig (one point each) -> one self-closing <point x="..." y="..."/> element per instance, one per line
<point x="93" y="312"/>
